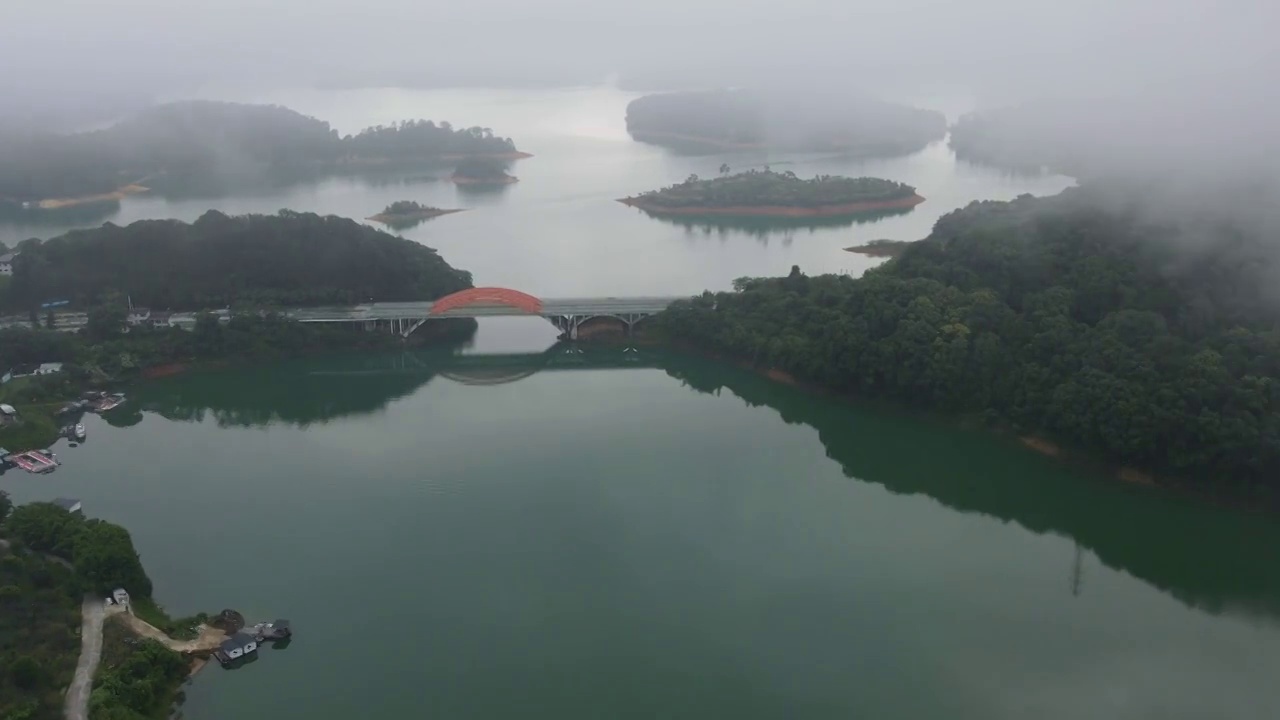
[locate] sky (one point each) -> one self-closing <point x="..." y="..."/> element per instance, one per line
<point x="1001" y="50"/>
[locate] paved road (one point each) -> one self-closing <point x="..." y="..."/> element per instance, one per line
<point x="77" y="706"/>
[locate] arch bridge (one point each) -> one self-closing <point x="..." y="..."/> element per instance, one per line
<point x="567" y="314"/>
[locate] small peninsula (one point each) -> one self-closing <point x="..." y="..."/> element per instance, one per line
<point x="880" y="248"/>
<point x="781" y="119"/>
<point x="482" y="171"/>
<point x="772" y="194"/>
<point x="406" y="213"/>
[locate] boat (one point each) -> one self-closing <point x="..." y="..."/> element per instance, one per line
<point x="80" y="432"/>
<point x="35" y="461"/>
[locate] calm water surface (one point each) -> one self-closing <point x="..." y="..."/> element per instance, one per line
<point x="579" y="536"/>
<point x="673" y="538"/>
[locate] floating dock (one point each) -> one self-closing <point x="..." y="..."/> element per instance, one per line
<point x="35" y="461"/>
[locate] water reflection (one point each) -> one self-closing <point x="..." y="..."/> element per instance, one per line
<point x="765" y="228"/>
<point x="1215" y="560"/>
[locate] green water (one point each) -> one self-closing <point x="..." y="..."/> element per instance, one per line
<point x="672" y="538"/>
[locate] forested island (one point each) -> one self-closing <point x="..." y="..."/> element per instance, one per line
<point x="407" y="213"/>
<point x="482" y="171"/>
<point x="1083" y="319"/>
<point x="772" y="194"/>
<point x="199" y="146"/>
<point x="258" y="260"/>
<point x="49" y="559"/>
<point x="784" y="120"/>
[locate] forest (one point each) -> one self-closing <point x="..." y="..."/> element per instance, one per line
<point x="755" y="188"/>
<point x="250" y="260"/>
<point x="483" y="170"/>
<point x="200" y="144"/>
<point x="53" y="558"/>
<point x="1147" y="336"/>
<point x="782" y="119"/>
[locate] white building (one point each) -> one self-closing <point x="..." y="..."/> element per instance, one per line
<point x="120" y="596"/>
<point x="6" y="263"/>
<point x="70" y="505"/>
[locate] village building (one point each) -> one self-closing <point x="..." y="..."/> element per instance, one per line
<point x="236" y="647"/>
<point x="6" y="263"/>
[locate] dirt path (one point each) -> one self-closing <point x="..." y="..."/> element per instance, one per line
<point x="77" y="703"/>
<point x="209" y="639"/>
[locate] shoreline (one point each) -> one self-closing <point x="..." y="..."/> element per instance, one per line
<point x="117" y="194"/>
<point x="1074" y="458"/>
<point x="775" y="210"/>
<point x="390" y="218"/>
<point x="880" y="248"/>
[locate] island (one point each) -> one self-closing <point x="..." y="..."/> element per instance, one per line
<point x="204" y="147"/>
<point x="764" y="193"/>
<point x="1069" y="321"/>
<point x="781" y="119"/>
<point x="482" y="171"/>
<point x="407" y="213"/>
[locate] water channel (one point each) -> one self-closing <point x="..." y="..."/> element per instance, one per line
<point x="590" y="536"/>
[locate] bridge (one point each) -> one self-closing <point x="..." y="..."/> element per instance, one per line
<point x="567" y="314"/>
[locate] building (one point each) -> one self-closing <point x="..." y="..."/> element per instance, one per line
<point x="138" y="316"/>
<point x="6" y="263"/>
<point x="21" y="371"/>
<point x="70" y="505"/>
<point x="236" y="647"/>
<point x="8" y="415"/>
<point x="160" y="319"/>
<point x="120" y="597"/>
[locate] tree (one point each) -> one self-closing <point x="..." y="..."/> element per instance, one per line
<point x="724" y="168"/>
<point x="26" y="672"/>
<point x="6" y="505"/>
<point x="107" y="320"/>
<point x="50" y="320"/>
<point x="44" y="527"/>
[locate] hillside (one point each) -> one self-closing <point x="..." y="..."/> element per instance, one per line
<point x="1147" y="335"/>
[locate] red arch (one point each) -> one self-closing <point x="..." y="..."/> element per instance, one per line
<point x="488" y="296"/>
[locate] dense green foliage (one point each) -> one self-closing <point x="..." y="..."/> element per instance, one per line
<point x="783" y="119"/>
<point x="137" y="678"/>
<point x="423" y="139"/>
<point x="39" y="616"/>
<point x="188" y="144"/>
<point x="756" y="188"/>
<point x="482" y="169"/>
<point x="285" y="259"/>
<point x="101" y="553"/>
<point x="408" y="207"/>
<point x="1149" y="338"/>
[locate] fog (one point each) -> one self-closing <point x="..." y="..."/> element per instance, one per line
<point x="1001" y="50"/>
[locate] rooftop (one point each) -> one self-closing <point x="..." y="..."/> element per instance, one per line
<point x="8" y="257"/>
<point x="68" y="504"/>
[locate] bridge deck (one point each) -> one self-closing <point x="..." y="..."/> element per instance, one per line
<point x="551" y="307"/>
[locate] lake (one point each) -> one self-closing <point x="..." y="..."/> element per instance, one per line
<point x="562" y="534"/>
<point x="558" y="232"/>
<point x="580" y="535"/>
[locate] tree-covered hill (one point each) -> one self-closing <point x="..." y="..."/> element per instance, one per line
<point x="784" y="120"/>
<point x="1149" y="337"/>
<point x="284" y="259"/>
<point x="189" y="144"/>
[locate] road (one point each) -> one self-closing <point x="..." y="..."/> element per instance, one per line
<point x="77" y="705"/>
